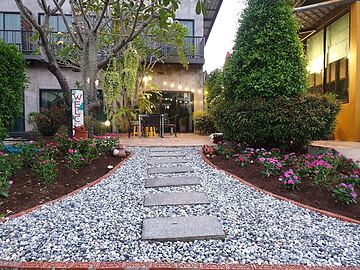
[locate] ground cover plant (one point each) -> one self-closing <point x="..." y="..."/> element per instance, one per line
<point x="46" y="170"/>
<point x="318" y="177"/>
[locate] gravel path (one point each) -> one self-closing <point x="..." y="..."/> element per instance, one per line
<point x="103" y="223"/>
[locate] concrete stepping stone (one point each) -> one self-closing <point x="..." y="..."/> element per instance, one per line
<point x="165" y="149"/>
<point x="167" y="170"/>
<point x="176" y="198"/>
<point x="168" y="161"/>
<point x="182" y="228"/>
<point x="167" y="154"/>
<point x="172" y="182"/>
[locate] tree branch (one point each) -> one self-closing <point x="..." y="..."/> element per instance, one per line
<point x="73" y="38"/>
<point x="84" y="15"/>
<point x="97" y="25"/>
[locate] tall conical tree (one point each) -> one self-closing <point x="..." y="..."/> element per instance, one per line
<point x="268" y="56"/>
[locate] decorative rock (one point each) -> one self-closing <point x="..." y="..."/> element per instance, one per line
<point x="167" y="154"/>
<point x="167" y="170"/>
<point x="168" y="161"/>
<point x="176" y="198"/>
<point x="172" y="181"/>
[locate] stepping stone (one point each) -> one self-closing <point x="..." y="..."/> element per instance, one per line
<point x="182" y="228"/>
<point x="166" y="170"/>
<point x="176" y="198"/>
<point x="167" y="154"/>
<point x="164" y="149"/>
<point x="172" y="182"/>
<point x="168" y="161"/>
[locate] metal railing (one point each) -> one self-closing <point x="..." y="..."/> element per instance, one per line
<point x="26" y="43"/>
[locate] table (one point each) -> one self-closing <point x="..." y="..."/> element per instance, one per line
<point x="162" y="119"/>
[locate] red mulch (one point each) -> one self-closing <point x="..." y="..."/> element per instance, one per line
<point x="28" y="190"/>
<point x="308" y="193"/>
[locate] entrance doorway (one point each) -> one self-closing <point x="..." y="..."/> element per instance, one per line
<point x="176" y="103"/>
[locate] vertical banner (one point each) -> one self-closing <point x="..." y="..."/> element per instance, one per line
<point x="77" y="108"/>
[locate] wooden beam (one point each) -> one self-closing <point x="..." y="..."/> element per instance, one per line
<point x="323" y="4"/>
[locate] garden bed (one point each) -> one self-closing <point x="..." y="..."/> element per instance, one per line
<point x="28" y="190"/>
<point x="308" y="193"/>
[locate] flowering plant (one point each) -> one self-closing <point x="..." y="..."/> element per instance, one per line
<point x="243" y="160"/>
<point x="75" y="160"/>
<point x="45" y="167"/>
<point x="345" y="193"/>
<point x="225" y="151"/>
<point x="290" y="180"/>
<point x="352" y="178"/>
<point x="272" y="166"/>
<point x="9" y="164"/>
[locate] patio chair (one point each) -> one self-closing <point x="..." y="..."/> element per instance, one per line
<point x="170" y="123"/>
<point x="132" y="127"/>
<point x="152" y="123"/>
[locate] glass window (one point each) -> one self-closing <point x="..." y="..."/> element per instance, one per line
<point x="315" y="57"/>
<point x="10" y="26"/>
<point x="189" y="24"/>
<point x="57" y="23"/>
<point x="50" y="98"/>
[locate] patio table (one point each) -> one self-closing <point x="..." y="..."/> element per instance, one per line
<point x="162" y="118"/>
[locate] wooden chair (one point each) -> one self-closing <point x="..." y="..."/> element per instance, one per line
<point x="150" y="124"/>
<point x="170" y="123"/>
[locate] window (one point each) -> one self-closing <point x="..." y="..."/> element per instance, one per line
<point x="57" y="23"/>
<point x="189" y="24"/>
<point x="10" y="28"/>
<point x="327" y="54"/>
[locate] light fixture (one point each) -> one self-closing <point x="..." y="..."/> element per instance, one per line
<point x="107" y="123"/>
<point x="193" y="90"/>
<point x="172" y="85"/>
<point x="167" y="107"/>
<point x="164" y="83"/>
<point x="88" y="80"/>
<point x="97" y="83"/>
<point x="199" y="91"/>
<point x="186" y="88"/>
<point x="179" y="87"/>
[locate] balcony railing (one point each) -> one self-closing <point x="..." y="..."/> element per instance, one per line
<point x="194" y="46"/>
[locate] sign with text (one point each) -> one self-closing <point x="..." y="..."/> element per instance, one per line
<point x="77" y="108"/>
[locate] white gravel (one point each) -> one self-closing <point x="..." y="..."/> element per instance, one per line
<point x="103" y="223"/>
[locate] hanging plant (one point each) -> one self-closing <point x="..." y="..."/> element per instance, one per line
<point x="131" y="67"/>
<point x="112" y="85"/>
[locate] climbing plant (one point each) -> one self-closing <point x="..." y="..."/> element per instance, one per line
<point x="131" y="67"/>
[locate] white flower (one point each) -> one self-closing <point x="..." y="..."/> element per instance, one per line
<point x="169" y="20"/>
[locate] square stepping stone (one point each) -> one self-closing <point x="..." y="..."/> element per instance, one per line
<point x="167" y="170"/>
<point x="167" y="154"/>
<point x="172" y="181"/>
<point x="176" y="198"/>
<point x="168" y="161"/>
<point x="182" y="228"/>
<point x="165" y="149"/>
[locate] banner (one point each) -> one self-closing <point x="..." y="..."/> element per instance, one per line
<point x="77" y="108"/>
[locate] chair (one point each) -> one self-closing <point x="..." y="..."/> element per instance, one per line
<point x="170" y="122"/>
<point x="150" y="123"/>
<point x="133" y="127"/>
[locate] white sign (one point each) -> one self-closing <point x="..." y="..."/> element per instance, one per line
<point x="77" y="108"/>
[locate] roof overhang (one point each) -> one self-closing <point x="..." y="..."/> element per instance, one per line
<point x="212" y="7"/>
<point x="314" y="15"/>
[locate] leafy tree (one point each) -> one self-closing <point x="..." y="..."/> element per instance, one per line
<point x="268" y="55"/>
<point x="213" y="86"/>
<point x="12" y="84"/>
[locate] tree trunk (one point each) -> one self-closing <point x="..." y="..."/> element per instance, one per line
<point x="90" y="72"/>
<point x="56" y="71"/>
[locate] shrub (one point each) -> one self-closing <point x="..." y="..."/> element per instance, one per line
<point x="213" y="87"/>
<point x="268" y="57"/>
<point x="9" y="164"/>
<point x="12" y="84"/>
<point x="45" y="168"/>
<point x="345" y="193"/>
<point x="288" y="123"/>
<point x="204" y="123"/>
<point x="48" y="121"/>
<point x="75" y="160"/>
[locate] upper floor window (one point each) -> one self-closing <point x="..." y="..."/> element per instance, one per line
<point x="10" y="26"/>
<point x="56" y="22"/>
<point x="189" y="24"/>
<point x="327" y="54"/>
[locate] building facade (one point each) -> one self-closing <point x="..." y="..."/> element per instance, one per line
<point x="330" y="31"/>
<point x="182" y="89"/>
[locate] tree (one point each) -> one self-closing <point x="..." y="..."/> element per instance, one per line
<point x="268" y="55"/>
<point x="99" y="30"/>
<point x="12" y="84"/>
<point x="213" y="86"/>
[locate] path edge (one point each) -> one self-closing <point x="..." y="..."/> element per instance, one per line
<point x="72" y="193"/>
<point x="302" y="205"/>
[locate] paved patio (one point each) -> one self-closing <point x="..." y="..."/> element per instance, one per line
<point x="348" y="149"/>
<point x="183" y="139"/>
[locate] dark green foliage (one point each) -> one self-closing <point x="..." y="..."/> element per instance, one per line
<point x="204" y="123"/>
<point x="268" y="56"/>
<point x="12" y="85"/>
<point x="213" y="86"/>
<point x="288" y="123"/>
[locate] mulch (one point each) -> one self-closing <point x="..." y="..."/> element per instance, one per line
<point x="28" y="190"/>
<point x="308" y="193"/>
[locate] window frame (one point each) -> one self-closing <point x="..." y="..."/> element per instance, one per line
<point x="193" y="25"/>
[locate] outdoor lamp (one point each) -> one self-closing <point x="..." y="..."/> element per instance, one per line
<point x="97" y="83"/>
<point x="107" y="123"/>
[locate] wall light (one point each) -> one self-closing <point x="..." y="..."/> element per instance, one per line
<point x="186" y="88"/>
<point x="193" y="90"/>
<point x="97" y="83"/>
<point x="172" y="85"/>
<point x="200" y="91"/>
<point x="164" y="83"/>
<point x="179" y="87"/>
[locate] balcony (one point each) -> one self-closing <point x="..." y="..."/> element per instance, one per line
<point x="25" y="41"/>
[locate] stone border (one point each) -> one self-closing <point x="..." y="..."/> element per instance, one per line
<point x="324" y="212"/>
<point x="2" y="220"/>
<point x="158" y="266"/>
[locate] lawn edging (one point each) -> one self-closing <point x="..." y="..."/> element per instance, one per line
<point x="2" y="220"/>
<point x="308" y="207"/>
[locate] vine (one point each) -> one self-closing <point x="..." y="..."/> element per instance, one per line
<point x="131" y="67"/>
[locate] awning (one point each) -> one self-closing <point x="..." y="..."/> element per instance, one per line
<point x="212" y="7"/>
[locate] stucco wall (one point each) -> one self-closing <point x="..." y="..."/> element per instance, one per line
<point x="173" y="77"/>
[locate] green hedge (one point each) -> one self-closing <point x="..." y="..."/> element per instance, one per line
<point x="288" y="123"/>
<point x="204" y="123"/>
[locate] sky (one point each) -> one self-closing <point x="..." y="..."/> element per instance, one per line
<point x="223" y="33"/>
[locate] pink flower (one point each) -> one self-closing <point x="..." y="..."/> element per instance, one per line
<point x="71" y="151"/>
<point x="286" y="174"/>
<point x="290" y="182"/>
<point x="241" y="158"/>
<point x="11" y="182"/>
<point x="2" y="153"/>
<point x="296" y="177"/>
<point x="279" y="165"/>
